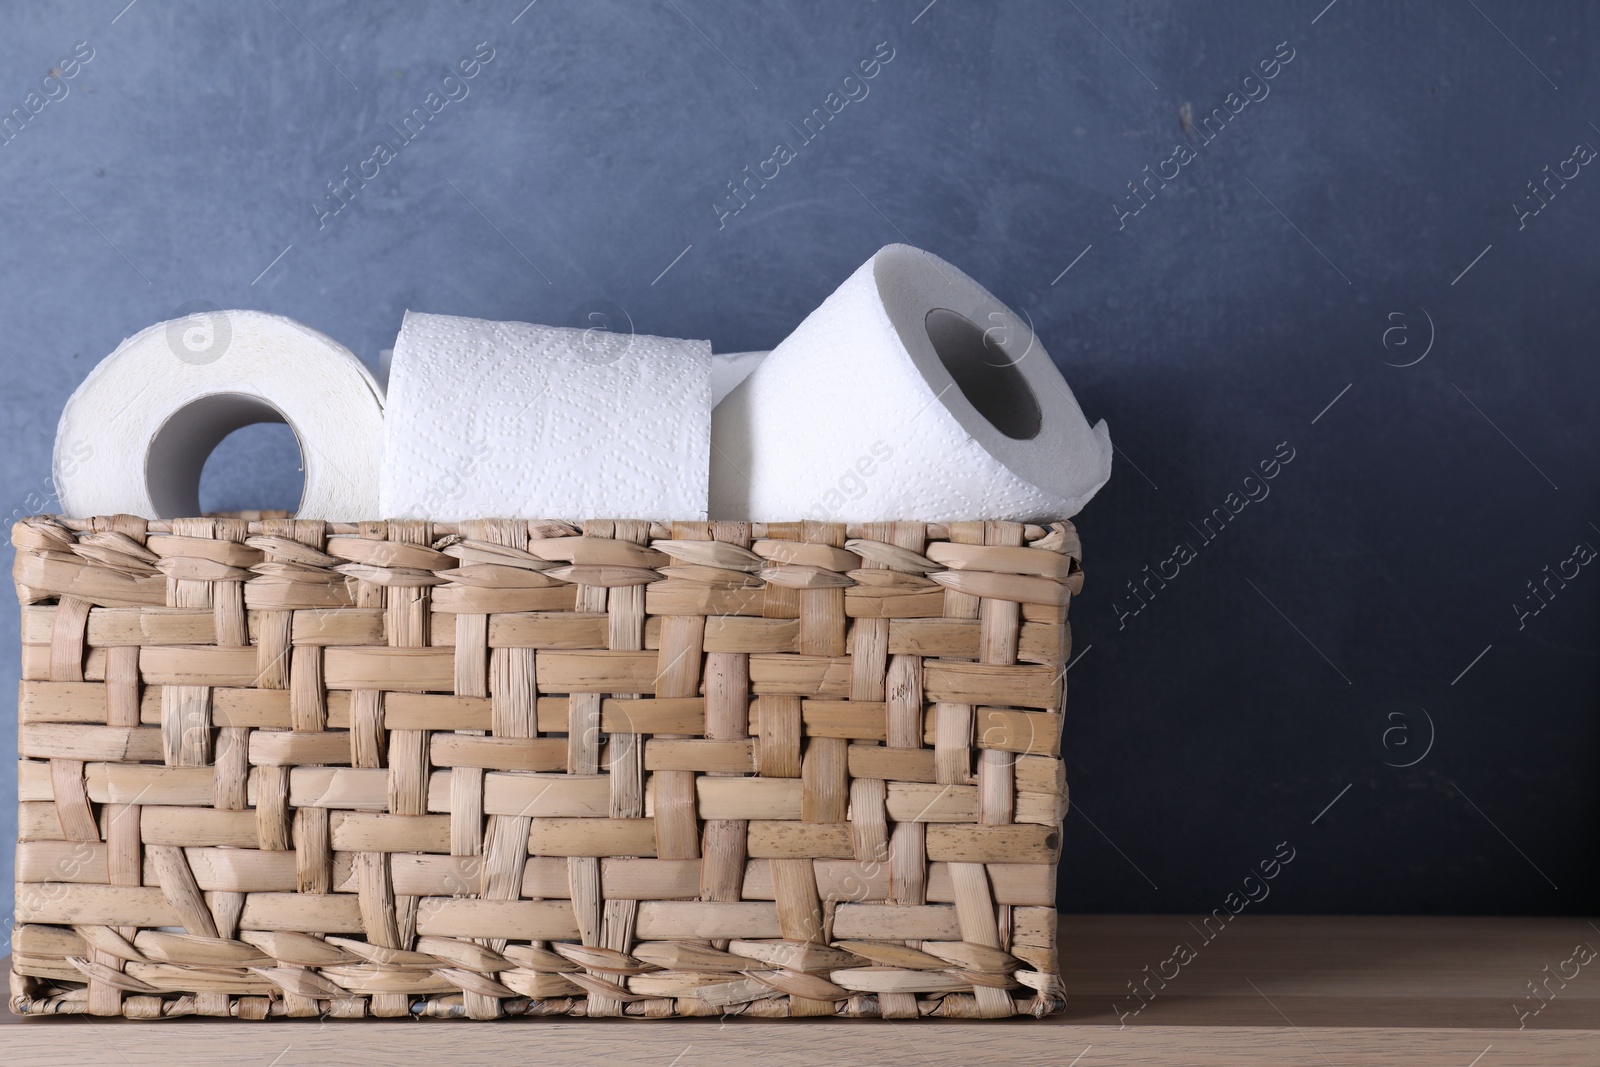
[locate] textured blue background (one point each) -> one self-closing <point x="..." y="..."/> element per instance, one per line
<point x="1291" y="664"/>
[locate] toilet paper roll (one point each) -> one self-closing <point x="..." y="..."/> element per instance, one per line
<point x="910" y="393"/>
<point x="728" y="369"/>
<point x="510" y="420"/>
<point x="136" y="434"/>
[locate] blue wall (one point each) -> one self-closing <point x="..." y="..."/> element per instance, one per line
<point x="1298" y="651"/>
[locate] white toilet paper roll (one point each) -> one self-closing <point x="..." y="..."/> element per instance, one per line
<point x="510" y="420"/>
<point x="728" y="369"/>
<point x="910" y="393"/>
<point x="136" y="434"/>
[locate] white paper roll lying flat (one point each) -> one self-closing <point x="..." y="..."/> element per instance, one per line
<point x="728" y="369"/>
<point x="510" y="420"/>
<point x="136" y="434"/>
<point x="910" y="393"/>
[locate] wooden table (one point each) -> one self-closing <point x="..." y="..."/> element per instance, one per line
<point x="1264" y="989"/>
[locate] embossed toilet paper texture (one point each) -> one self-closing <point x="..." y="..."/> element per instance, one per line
<point x="511" y="420"/>
<point x="855" y="417"/>
<point x="135" y="435"/>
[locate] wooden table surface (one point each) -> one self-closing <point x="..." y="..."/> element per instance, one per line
<point x="1265" y="989"/>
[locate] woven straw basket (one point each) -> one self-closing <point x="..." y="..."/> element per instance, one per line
<point x="276" y="767"/>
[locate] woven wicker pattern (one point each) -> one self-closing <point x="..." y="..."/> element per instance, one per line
<point x="290" y="768"/>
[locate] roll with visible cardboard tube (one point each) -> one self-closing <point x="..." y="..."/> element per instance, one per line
<point x="910" y="393"/>
<point x="136" y="434"/>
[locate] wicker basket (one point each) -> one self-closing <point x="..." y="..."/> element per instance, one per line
<point x="278" y="767"/>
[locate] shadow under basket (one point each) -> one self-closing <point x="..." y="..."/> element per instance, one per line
<point x="291" y="768"/>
